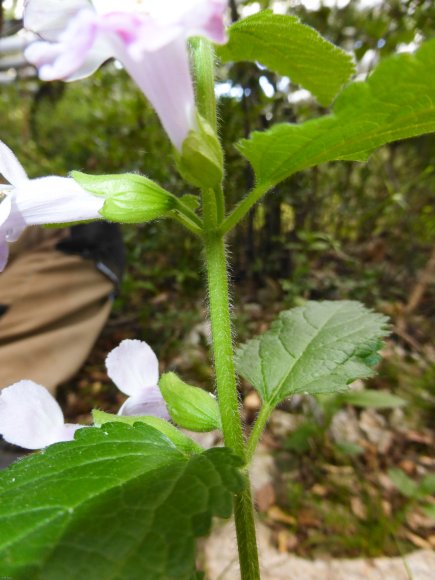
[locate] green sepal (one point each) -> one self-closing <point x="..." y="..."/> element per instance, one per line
<point x="201" y="159"/>
<point x="190" y="407"/>
<point x="65" y="225"/>
<point x="191" y="201"/>
<point x="130" y="198"/>
<point x="181" y="441"/>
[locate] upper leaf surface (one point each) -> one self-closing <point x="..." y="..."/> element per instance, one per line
<point x="396" y="102"/>
<point x="284" y="45"/>
<point x="118" y="502"/>
<point x="318" y="348"/>
<point x="179" y="439"/>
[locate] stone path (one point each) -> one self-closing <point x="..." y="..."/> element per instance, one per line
<point x="221" y="562"/>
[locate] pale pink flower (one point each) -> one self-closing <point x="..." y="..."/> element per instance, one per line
<point x="46" y="200"/>
<point x="147" y="36"/>
<point x="134" y="369"/>
<point x="31" y="418"/>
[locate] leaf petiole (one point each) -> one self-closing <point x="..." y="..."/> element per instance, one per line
<point x="257" y="430"/>
<point x="243" y="207"/>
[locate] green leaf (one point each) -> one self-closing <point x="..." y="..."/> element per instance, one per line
<point x="118" y="502"/>
<point x="429" y="510"/>
<point x="407" y="486"/>
<point x="190" y="407"/>
<point x="396" y="102"/>
<point x="181" y="441"/>
<point x="301" y="439"/>
<point x="130" y="198"/>
<point x="284" y="45"/>
<point x="320" y="347"/>
<point x="372" y="399"/>
<point x="349" y="448"/>
<point x="427" y="485"/>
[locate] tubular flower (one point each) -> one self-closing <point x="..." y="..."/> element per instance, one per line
<point x="147" y="36"/>
<point x="46" y="200"/>
<point x="134" y="368"/>
<point x="31" y="418"/>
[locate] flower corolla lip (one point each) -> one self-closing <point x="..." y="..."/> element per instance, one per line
<point x="31" y="418"/>
<point x="134" y="368"/>
<point x="147" y="36"/>
<point x="45" y="200"/>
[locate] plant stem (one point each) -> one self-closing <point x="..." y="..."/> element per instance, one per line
<point x="217" y="277"/>
<point x="203" y="62"/>
<point x="243" y="207"/>
<point x="204" y="65"/>
<point x="181" y="219"/>
<point x="246" y="534"/>
<point x="227" y="392"/>
<point x="188" y="213"/>
<point x="257" y="431"/>
<point x="222" y="342"/>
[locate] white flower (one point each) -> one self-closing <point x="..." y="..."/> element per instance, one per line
<point x="134" y="368"/>
<point x="31" y="418"/>
<point x="149" y="37"/>
<point x="46" y="200"/>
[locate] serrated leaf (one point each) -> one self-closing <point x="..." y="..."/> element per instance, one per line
<point x="407" y="486"/>
<point x="190" y="407"/>
<point x="284" y="45"/>
<point x="118" y="502"/>
<point x="396" y="102"/>
<point x="372" y="399"/>
<point x="180" y="440"/>
<point x="320" y="347"/>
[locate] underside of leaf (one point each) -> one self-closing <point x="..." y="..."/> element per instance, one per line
<point x="317" y="348"/>
<point x="286" y="46"/>
<point x="396" y="102"/>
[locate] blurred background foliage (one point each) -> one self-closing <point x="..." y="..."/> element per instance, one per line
<point x="341" y="230"/>
<point x="338" y="231"/>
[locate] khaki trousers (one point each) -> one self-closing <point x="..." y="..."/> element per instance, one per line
<point x="57" y="305"/>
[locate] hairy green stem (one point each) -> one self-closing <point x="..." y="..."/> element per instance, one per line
<point x="203" y="62"/>
<point x="188" y="213"/>
<point x="222" y="342"/>
<point x="246" y="535"/>
<point x="243" y="207"/>
<point x="181" y="219"/>
<point x="257" y="430"/>
<point x="204" y="68"/>
<point x="227" y="394"/>
<point x="217" y="277"/>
